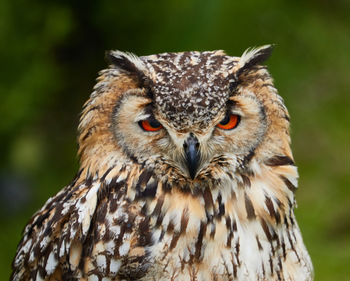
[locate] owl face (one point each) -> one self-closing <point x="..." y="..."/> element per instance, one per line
<point x="189" y="112"/>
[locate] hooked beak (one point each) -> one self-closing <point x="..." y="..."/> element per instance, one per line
<point x="191" y="148"/>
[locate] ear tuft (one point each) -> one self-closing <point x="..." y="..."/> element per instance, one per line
<point x="127" y="62"/>
<point x="253" y="56"/>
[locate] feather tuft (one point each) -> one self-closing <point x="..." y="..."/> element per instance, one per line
<point x="253" y="56"/>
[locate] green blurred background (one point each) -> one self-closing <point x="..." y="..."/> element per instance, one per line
<point x="51" y="51"/>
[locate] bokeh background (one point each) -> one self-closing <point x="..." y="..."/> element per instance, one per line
<point x="51" y="51"/>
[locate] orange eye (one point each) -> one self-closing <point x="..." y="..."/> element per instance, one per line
<point x="229" y="122"/>
<point x="151" y="125"/>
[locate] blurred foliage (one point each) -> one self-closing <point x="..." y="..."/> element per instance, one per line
<point x="51" y="51"/>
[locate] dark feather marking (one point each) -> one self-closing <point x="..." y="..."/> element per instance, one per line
<point x="234" y="226"/>
<point x="150" y="191"/>
<point x="280" y="264"/>
<point x="263" y="268"/>
<point x="285" y="116"/>
<point x="184" y="220"/>
<point x="103" y="191"/>
<point x="279" y="275"/>
<point x="273" y="213"/>
<point x="258" y="242"/>
<point x="278" y="217"/>
<point x="158" y="208"/>
<point x="234" y="265"/>
<point x="161" y="235"/>
<point x="173" y="242"/>
<point x="274" y="238"/>
<point x="267" y="85"/>
<point x="143" y="179"/>
<point x="39" y="220"/>
<point x="249" y="207"/>
<point x="279" y="160"/>
<point x="279" y="203"/>
<point x="230" y="232"/>
<point x="228" y="223"/>
<point x="129" y="225"/>
<point x="291" y="205"/>
<point x="183" y="226"/>
<point x="284" y="250"/>
<point x="77" y="176"/>
<point x="159" y="219"/>
<point x="101" y="211"/>
<point x="166" y="187"/>
<point x="57" y="217"/>
<point x="246" y="181"/>
<point x="92" y="108"/>
<point x="266" y="230"/>
<point x="186" y="189"/>
<point x="208" y="215"/>
<point x="102" y="179"/>
<point x="170" y="227"/>
<point x="199" y="242"/>
<point x="89" y="180"/>
<point x="33" y="274"/>
<point x="48" y="231"/>
<point x="116" y="186"/>
<point x="286" y="222"/>
<point x="88" y="133"/>
<point x="269" y="206"/>
<point x="221" y="207"/>
<point x="292" y="245"/>
<point x="42" y="272"/>
<point x="237" y="249"/>
<point x="251" y="153"/>
<point x="144" y="209"/>
<point x="271" y="264"/>
<point x="288" y="183"/>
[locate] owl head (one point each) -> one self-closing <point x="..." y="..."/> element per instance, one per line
<point x="190" y="116"/>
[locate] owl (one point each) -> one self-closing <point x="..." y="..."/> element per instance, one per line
<point x="186" y="173"/>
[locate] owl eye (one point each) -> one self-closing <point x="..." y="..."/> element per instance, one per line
<point x="229" y="122"/>
<point x="150" y="125"/>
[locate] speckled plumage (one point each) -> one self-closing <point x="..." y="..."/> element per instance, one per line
<point x="135" y="212"/>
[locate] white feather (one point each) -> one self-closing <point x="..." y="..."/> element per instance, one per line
<point x="250" y="54"/>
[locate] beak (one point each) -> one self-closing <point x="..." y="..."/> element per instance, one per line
<point x="191" y="148"/>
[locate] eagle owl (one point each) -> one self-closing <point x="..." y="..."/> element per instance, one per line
<point x="186" y="174"/>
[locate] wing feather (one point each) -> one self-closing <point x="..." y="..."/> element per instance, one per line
<point x="86" y="229"/>
<point x="48" y="237"/>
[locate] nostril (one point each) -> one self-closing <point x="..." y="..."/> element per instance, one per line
<point x="191" y="143"/>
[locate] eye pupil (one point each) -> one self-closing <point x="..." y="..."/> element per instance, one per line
<point x="150" y="125"/>
<point x="229" y="122"/>
<point x="225" y="120"/>
<point x="154" y="123"/>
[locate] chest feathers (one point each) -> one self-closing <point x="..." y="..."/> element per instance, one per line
<point x="241" y="229"/>
<point x="127" y="225"/>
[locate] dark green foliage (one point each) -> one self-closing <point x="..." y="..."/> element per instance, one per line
<point x="50" y="54"/>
